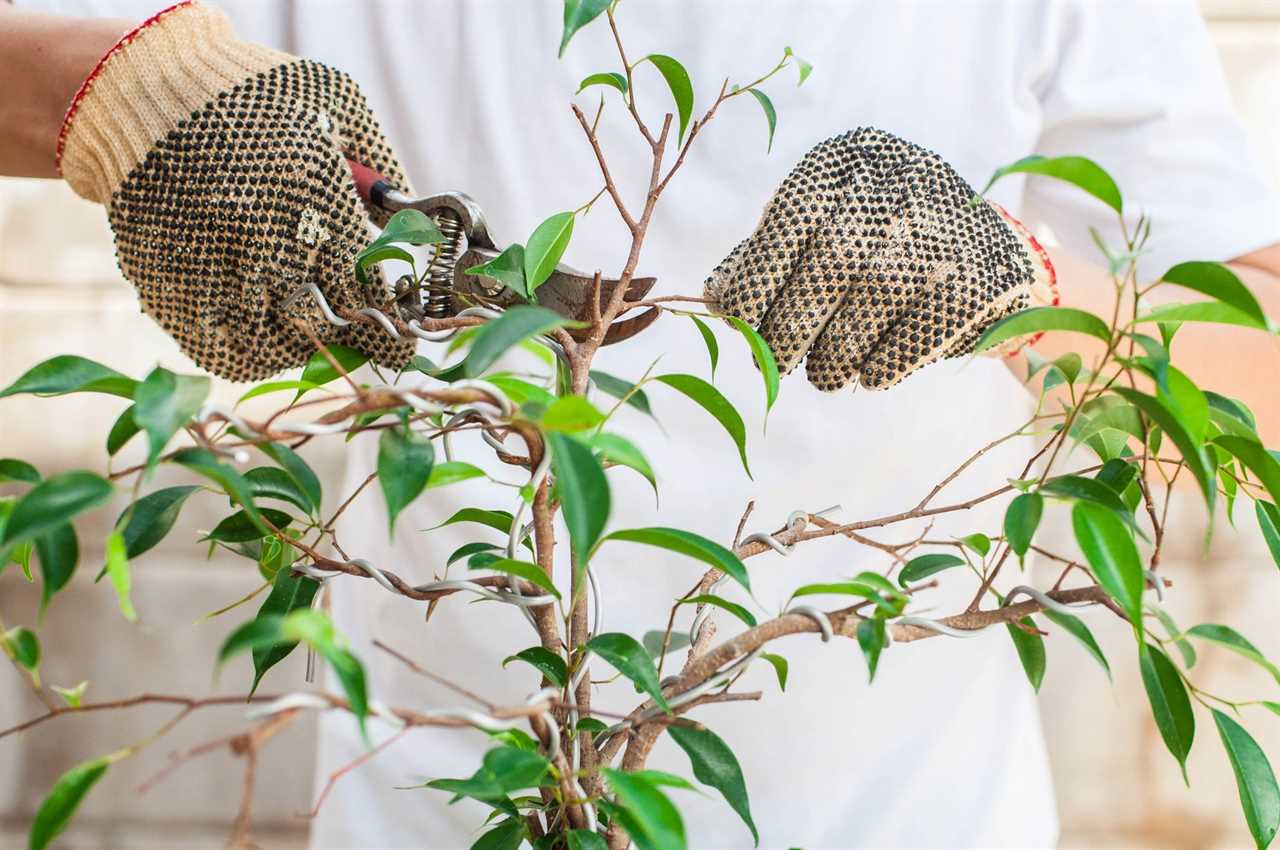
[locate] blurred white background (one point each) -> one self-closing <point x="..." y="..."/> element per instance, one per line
<point x="59" y="291"/>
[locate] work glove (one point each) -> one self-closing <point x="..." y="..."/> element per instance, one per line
<point x="222" y="167"/>
<point x="874" y="258"/>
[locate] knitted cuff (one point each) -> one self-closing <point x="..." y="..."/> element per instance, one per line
<point x="170" y="66"/>
<point x="1044" y="286"/>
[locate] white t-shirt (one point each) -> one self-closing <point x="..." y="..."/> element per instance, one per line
<point x="945" y="750"/>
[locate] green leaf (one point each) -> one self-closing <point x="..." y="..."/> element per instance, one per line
<point x="409" y="227"/>
<point x="241" y="528"/>
<point x="71" y="696"/>
<point x="319" y="371"/>
<point x="163" y="403"/>
<point x="732" y="607"/>
<point x="979" y="544"/>
<point x="1212" y="312"/>
<point x="891" y="601"/>
<point x="714" y="764"/>
<point x="1259" y="794"/>
<point x="23" y="646"/>
<point x="923" y="566"/>
<point x="621" y="389"/>
<point x="497" y="520"/>
<point x="292" y="463"/>
<point x="12" y="469"/>
<point x="577" y="14"/>
<point x="582" y="839"/>
<point x="584" y="494"/>
<point x="545" y="662"/>
<point x="1021" y="520"/>
<point x="405" y="459"/>
<point x="59" y="551"/>
<point x="54" y="502"/>
<point x="779" y="665"/>
<point x="619" y="450"/>
<point x="545" y="248"/>
<point x="1039" y="319"/>
<point x="871" y="640"/>
<point x="498" y="335"/>
<point x="1079" y="488"/>
<point x="1236" y="642"/>
<point x="1217" y="281"/>
<point x="529" y="572"/>
<point x="1110" y="551"/>
<point x="713" y="346"/>
<point x="629" y="658"/>
<point x="1084" y="173"/>
<point x="64" y="798"/>
<point x="804" y="67"/>
<point x="687" y="543"/>
<point x="763" y="355"/>
<point x="466" y="550"/>
<point x="277" y="386"/>
<point x="770" y="114"/>
<point x="272" y="482"/>
<point x="1269" y="522"/>
<point x="1259" y="461"/>
<point x="507" y="835"/>
<point x="118" y="572"/>
<point x="232" y="482"/>
<point x="451" y="472"/>
<point x="122" y="431"/>
<point x="1199" y="464"/>
<point x="653" y="642"/>
<point x="508" y="268"/>
<point x="571" y="413"/>
<point x="681" y="87"/>
<point x="649" y="817"/>
<point x="68" y="373"/>
<point x="521" y="392"/>
<point x="1169" y="702"/>
<point x="712" y="401"/>
<point x="1075" y="627"/>
<point x="1030" y="649"/>
<point x="289" y="593"/>
<point x="608" y="78"/>
<point x="1175" y="634"/>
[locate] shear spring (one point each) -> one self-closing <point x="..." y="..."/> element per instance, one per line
<point x="440" y="273"/>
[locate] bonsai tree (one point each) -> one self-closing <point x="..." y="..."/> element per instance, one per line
<point x="1117" y="431"/>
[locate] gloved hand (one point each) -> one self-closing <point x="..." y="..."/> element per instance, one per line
<point x="222" y="167"/>
<point x="874" y="258"/>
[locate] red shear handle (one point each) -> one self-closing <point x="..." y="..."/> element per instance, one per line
<point x="371" y="185"/>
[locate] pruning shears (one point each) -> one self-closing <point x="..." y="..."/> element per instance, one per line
<point x="468" y="244"/>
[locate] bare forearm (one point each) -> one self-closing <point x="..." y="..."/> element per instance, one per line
<point x="43" y="61"/>
<point x="1233" y="361"/>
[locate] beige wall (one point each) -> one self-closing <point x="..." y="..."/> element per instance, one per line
<point x="58" y="289"/>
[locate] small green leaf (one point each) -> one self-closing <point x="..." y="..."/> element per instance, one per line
<point x="466" y="550"/>
<point x="629" y="658"/>
<point x="302" y="474"/>
<point x="1191" y="451"/>
<point x="545" y="662"/>
<point x="709" y="338"/>
<point x="712" y="401"/>
<point x="319" y="371"/>
<point x="59" y="552"/>
<point x="272" y="482"/>
<point x="582" y="839"/>
<point x="681" y="87"/>
<point x="979" y="544"/>
<point x="497" y="520"/>
<point x="12" y="469"/>
<point x="1030" y="647"/>
<point x="497" y="336"/>
<point x="23" y="647"/>
<point x="584" y="494"/>
<point x="269" y="387"/>
<point x="1110" y="551"/>
<point x="570" y="413"/>
<point x="408" y="227"/>
<point x="804" y="67"/>
<point x="204" y="462"/>
<point x="687" y="543"/>
<point x="1259" y="793"/>
<point x="524" y="569"/>
<point x="619" y="450"/>
<point x="1169" y="702"/>
<point x="923" y="566"/>
<point x="163" y="403"/>
<point x="607" y="78"/>
<point x="649" y="817"/>
<point x="1021" y="521"/>
<point x="521" y="392"/>
<point x="241" y="528"/>
<point x="871" y="640"/>
<point x="1217" y="281"/>
<point x="1269" y="521"/>
<point x="770" y="114"/>
<point x="1075" y="627"/>
<point x="779" y="665"/>
<point x="118" y="572"/>
<point x="1039" y="319"/>
<point x="577" y="14"/>
<point x="545" y="248"/>
<point x="289" y="593"/>
<point x="1081" y="489"/>
<point x="1251" y="453"/>
<point x="68" y="373"/>
<point x="122" y="431"/>
<point x="725" y="605"/>
<point x="71" y="696"/>
<point x="451" y="472"/>
<point x="507" y="835"/>
<point x="1084" y="173"/>
<point x="64" y="798"/>
<point x="714" y="764"/>
<point x="763" y="355"/>
<point x="508" y="268"/>
<point x="621" y="389"/>
<point x="1210" y="312"/>
<point x="405" y="459"/>
<point x="54" y="502"/>
<point x="1236" y="642"/>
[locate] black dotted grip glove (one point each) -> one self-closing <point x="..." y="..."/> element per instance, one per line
<point x="875" y="258"/>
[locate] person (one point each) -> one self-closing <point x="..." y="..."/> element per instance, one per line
<point x="945" y="749"/>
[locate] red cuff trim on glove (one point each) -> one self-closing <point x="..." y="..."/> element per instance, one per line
<point x="97" y="69"/>
<point x="1021" y="229"/>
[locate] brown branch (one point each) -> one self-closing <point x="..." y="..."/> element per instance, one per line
<point x="363" y="758"/>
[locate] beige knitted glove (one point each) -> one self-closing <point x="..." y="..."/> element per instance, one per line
<point x="222" y="165"/>
<point x="875" y="258"/>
